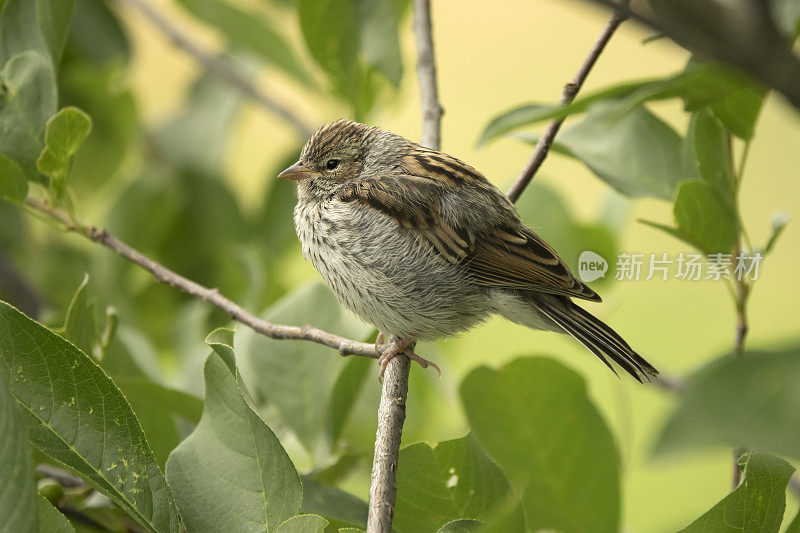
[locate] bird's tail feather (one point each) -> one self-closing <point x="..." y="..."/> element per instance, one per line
<point x="596" y="336"/>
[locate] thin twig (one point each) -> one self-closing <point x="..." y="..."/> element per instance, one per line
<point x="392" y="409"/>
<point x="213" y="296"/>
<point x="568" y="95"/>
<point x="217" y="66"/>
<point x="426" y="73"/>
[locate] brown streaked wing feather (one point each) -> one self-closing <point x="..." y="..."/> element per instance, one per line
<point x="517" y="258"/>
<point x="507" y="257"/>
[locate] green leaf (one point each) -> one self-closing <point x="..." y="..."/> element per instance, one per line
<point x="456" y="479"/>
<point x="378" y="25"/>
<point x="96" y="34"/>
<point x="196" y="139"/>
<point x="54" y="17"/>
<point x="465" y="525"/>
<point x="756" y="505"/>
<point x="630" y="149"/>
<point x="231" y="473"/>
<point x="751" y="400"/>
<point x="250" y="31"/>
<point x="305" y="523"/>
<point x="704" y="84"/>
<point x="65" y="133"/>
<point x="50" y="519"/>
<point x="27" y="100"/>
<point x="705" y="218"/>
<point x="297" y="378"/>
<point x="80" y="327"/>
<point x="19" y="30"/>
<point x="344" y="393"/>
<point x="13" y="185"/>
<point x="17" y="486"/>
<point x="535" y="419"/>
<point x="712" y="151"/>
<point x="82" y="420"/>
<point x="332" y="503"/>
<point x="330" y="29"/>
<point x="786" y="13"/>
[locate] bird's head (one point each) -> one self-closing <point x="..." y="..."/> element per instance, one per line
<point x="341" y="152"/>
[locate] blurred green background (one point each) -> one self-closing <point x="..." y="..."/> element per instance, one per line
<point x="491" y="56"/>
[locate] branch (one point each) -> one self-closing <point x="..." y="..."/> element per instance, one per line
<point x="213" y="296"/>
<point x="426" y="74"/>
<point x="217" y="66"/>
<point x="568" y="95"/>
<point x="392" y="409"/>
<point x="741" y="34"/>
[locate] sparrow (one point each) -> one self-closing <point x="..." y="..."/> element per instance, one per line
<point x="422" y="246"/>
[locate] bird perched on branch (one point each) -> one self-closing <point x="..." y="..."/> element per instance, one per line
<point x="422" y="246"/>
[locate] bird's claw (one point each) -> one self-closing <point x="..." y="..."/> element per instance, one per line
<point x="405" y="346"/>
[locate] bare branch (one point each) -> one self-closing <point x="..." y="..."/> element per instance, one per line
<point x="217" y="66"/>
<point x="213" y="296"/>
<point x="568" y="95"/>
<point x="741" y="34"/>
<point x="392" y="409"/>
<point x="426" y="74"/>
<point x="391" y="415"/>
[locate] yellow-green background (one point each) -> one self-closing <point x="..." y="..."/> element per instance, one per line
<point x="491" y="56"/>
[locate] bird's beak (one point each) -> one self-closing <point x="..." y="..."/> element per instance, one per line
<point x="297" y="172"/>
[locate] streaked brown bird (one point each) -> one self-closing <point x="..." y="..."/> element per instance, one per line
<point x="422" y="246"/>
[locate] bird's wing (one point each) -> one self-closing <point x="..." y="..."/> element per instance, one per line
<point x="471" y="224"/>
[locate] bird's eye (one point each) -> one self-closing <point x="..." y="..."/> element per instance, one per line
<point x="331" y="164"/>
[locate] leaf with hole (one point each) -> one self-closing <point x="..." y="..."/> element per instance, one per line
<point x="75" y="414"/>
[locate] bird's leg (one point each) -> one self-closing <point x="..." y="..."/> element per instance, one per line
<point x="406" y="346"/>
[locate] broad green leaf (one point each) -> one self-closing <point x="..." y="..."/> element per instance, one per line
<point x="437" y="485"/>
<point x="707" y="84"/>
<point x="545" y="211"/>
<point x="465" y="525"/>
<point x="80" y="327"/>
<point x="304" y="523"/>
<point x="330" y="29"/>
<point x="97" y="35"/>
<point x="248" y="30"/>
<point x="704" y="217"/>
<point x="345" y="391"/>
<point x="65" y="133"/>
<point x="231" y="473"/>
<point x="27" y="100"/>
<point x="54" y="17"/>
<point x="756" y="505"/>
<point x="630" y="149"/>
<point x="535" y="419"/>
<point x="76" y="415"/>
<point x="13" y="185"/>
<point x="17" y="486"/>
<point x="50" y="519"/>
<point x="712" y="151"/>
<point x="332" y="503"/>
<point x="779" y="222"/>
<point x="20" y="31"/>
<point x="297" y="378"/>
<point x="378" y="24"/>
<point x="751" y="400"/>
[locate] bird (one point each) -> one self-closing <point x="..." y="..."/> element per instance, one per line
<point x="422" y="246"/>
